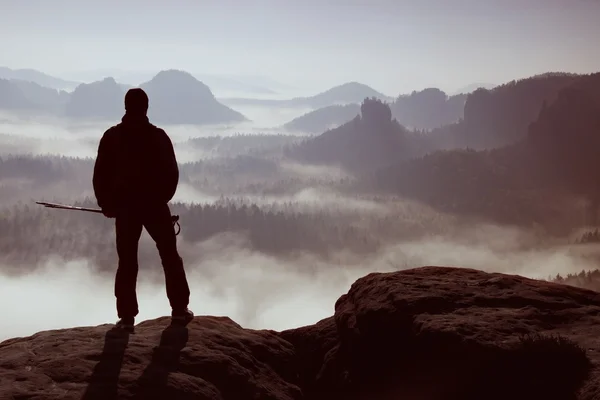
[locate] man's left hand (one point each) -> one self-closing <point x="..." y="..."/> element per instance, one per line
<point x="108" y="213"/>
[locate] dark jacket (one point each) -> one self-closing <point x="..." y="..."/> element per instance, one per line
<point x="135" y="166"/>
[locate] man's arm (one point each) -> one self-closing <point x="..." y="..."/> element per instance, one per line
<point x="170" y="171"/>
<point x="103" y="177"/>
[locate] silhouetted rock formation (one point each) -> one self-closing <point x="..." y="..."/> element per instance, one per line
<point x="429" y="333"/>
<point x="502" y="115"/>
<point x="428" y="109"/>
<point x="511" y="184"/>
<point x="370" y="141"/>
<point x="566" y="139"/>
<point x="176" y="97"/>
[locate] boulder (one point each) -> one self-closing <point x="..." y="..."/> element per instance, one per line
<point x="454" y="333"/>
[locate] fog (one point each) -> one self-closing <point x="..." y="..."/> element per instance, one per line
<point x="251" y="288"/>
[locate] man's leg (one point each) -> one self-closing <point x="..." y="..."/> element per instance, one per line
<point x="128" y="229"/>
<point x="160" y="227"/>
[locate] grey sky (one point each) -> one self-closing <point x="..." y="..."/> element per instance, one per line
<point x="393" y="45"/>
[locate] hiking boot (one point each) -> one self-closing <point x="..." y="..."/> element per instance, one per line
<point x="126" y="324"/>
<point x="182" y="317"/>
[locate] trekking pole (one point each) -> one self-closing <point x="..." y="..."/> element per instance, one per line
<point x="174" y="218"/>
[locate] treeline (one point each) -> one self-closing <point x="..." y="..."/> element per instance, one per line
<point x="29" y="232"/>
<point x="585" y="279"/>
<point x="28" y="177"/>
<point x="242" y="144"/>
<point x="589" y="237"/>
<point x="23" y="175"/>
<point x="43" y="168"/>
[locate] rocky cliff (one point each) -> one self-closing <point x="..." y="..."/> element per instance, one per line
<point x="427" y="333"/>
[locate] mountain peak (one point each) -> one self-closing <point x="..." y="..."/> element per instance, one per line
<point x="352" y="89"/>
<point x="176" y="76"/>
<point x="177" y="97"/>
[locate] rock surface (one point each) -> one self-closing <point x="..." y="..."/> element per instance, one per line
<point x="428" y="333"/>
<point x="213" y="358"/>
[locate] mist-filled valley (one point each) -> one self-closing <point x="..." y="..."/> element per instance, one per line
<point x="278" y="219"/>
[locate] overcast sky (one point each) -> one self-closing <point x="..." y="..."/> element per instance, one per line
<point x="393" y="45"/>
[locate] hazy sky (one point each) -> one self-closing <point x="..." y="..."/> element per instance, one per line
<point x="393" y="45"/>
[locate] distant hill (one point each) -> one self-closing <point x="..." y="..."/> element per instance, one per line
<point x="176" y="97"/>
<point x="501" y="116"/>
<point x="424" y="110"/>
<point x="13" y="98"/>
<point x="42" y="79"/>
<point x="352" y="92"/>
<point x="51" y="100"/>
<point x="492" y="119"/>
<point x="557" y="159"/>
<point x="370" y="141"/>
<point x="347" y="93"/>
<point x="322" y="119"/>
<point x="102" y="100"/>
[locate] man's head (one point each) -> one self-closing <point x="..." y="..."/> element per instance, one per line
<point x="136" y="101"/>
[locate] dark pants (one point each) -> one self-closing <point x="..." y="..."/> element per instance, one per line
<point x="128" y="226"/>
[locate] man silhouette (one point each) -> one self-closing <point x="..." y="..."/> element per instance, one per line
<point x="135" y="176"/>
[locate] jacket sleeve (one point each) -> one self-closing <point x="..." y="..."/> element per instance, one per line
<point x="103" y="177"/>
<point x="170" y="169"/>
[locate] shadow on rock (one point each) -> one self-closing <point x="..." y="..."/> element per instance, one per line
<point x="105" y="378"/>
<point x="165" y="359"/>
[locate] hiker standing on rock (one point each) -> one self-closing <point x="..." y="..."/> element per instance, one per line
<point x="135" y="176"/>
